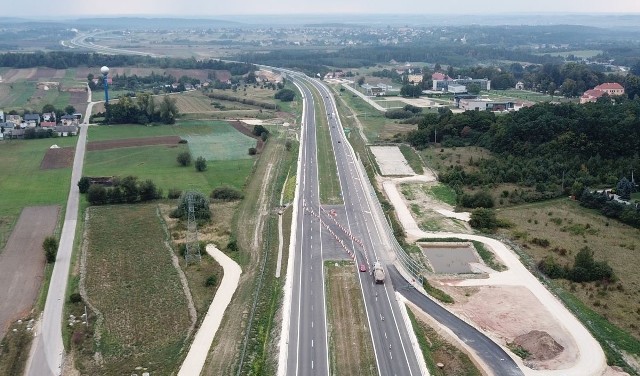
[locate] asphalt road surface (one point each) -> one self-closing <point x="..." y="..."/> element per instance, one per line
<point x="47" y="348"/>
<point x="307" y="352"/>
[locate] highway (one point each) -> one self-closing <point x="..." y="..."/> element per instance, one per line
<point x="306" y="342"/>
<point x="307" y="345"/>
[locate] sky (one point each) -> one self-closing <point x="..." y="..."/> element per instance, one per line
<point x="213" y="8"/>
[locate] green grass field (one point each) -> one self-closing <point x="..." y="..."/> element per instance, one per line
<point x="376" y="126"/>
<point x="23" y="184"/>
<point x="133" y="283"/>
<point x="159" y="164"/>
<point x="19" y="94"/>
<point x="223" y="144"/>
<point x="181" y="128"/>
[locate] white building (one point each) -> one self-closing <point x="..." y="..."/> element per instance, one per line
<point x="456" y="89"/>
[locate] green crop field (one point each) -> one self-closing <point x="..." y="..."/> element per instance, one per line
<point x="181" y="128"/>
<point x="17" y="94"/>
<point x="159" y="164"/>
<point x="131" y="280"/>
<point x="22" y="183"/>
<point x="224" y="143"/>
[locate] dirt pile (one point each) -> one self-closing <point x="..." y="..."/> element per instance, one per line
<point x="539" y="344"/>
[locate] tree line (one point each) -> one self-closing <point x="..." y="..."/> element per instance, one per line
<point x="64" y="60"/>
<point x="142" y="110"/>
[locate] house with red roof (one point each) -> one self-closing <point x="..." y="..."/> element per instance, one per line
<point x="439" y="76"/>
<point x="609" y="88"/>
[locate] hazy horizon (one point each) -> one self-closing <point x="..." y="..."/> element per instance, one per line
<point x="207" y="9"/>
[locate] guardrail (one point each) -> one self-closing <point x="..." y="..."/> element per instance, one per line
<point x="412" y="266"/>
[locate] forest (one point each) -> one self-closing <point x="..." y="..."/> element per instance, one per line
<point x="557" y="149"/>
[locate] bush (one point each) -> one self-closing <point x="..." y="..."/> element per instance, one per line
<point x="200" y="206"/>
<point x="83" y="184"/>
<point x="184" y="158"/>
<point x="183" y="141"/>
<point x="398" y="114"/>
<point x="75" y="298"/>
<point x="50" y="247"/>
<point x="253" y="151"/>
<point x="211" y="281"/>
<point x="174" y="193"/>
<point x="226" y="194"/>
<point x="201" y="164"/>
<point x="483" y="219"/>
<point x="285" y="95"/>
<point x="480" y="199"/>
<point x="97" y="194"/>
<point x="258" y="130"/>
<point x="232" y="246"/>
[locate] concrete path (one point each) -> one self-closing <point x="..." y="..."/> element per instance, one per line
<point x="365" y="98"/>
<point x="591" y="359"/>
<point x="197" y="355"/>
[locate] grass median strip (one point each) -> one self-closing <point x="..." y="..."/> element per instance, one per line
<point x="330" y="192"/>
<point x="350" y="347"/>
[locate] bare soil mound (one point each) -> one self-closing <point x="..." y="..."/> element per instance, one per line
<point x="57" y="158"/>
<point x="132" y="142"/>
<point x="539" y="344"/>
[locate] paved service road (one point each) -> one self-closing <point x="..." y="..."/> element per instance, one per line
<point x="47" y="348"/>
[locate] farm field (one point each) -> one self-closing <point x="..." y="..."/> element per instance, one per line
<point x="132" y="282"/>
<point x="226" y="165"/>
<point x="159" y="164"/>
<point x="24" y="184"/>
<point x="350" y="348"/>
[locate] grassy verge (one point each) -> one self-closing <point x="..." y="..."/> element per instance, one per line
<point x="350" y="347"/>
<point x="328" y="173"/>
<point x="442" y="193"/>
<point x="14" y="350"/>
<point x="247" y="333"/>
<point x="412" y="158"/>
<point x="436" y="292"/>
<point x="436" y="349"/>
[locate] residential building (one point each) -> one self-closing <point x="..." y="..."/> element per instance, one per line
<point x="609" y="88"/>
<point x="48" y="124"/>
<point x="439" y="76"/>
<point x="414" y="78"/>
<point x="15" y="119"/>
<point x="31" y="120"/>
<point x="520" y="85"/>
<point x="49" y="116"/>
<point x="66" y="130"/>
<point x="68" y="120"/>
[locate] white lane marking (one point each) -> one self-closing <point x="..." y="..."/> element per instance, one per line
<point x="311" y="343"/>
<point x="312" y="364"/>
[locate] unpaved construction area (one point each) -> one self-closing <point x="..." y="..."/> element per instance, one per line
<point x="22" y="263"/>
<point x="132" y="142"/>
<point x="494" y="309"/>
<point x="350" y="346"/>
<point x="391" y="161"/>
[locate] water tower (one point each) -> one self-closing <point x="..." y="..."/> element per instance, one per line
<point x="105" y="72"/>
